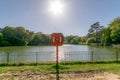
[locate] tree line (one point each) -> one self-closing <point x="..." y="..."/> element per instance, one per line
<point x="19" y="36"/>
<point x="104" y="35"/>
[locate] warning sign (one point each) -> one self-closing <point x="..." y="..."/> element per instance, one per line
<point x="57" y="39"/>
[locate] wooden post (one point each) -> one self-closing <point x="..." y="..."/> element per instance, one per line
<point x="57" y="39"/>
<point x="57" y="64"/>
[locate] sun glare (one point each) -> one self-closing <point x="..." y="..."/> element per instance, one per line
<point x="56" y="7"/>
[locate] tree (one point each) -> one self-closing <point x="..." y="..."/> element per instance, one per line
<point x="115" y="30"/>
<point x="94" y="31"/>
<point x="2" y="41"/>
<point x="68" y="39"/>
<point x="23" y="36"/>
<point x="19" y="36"/>
<point x="9" y="35"/>
<point x="72" y="39"/>
<point x="75" y="40"/>
<point x="90" y="40"/>
<point x="40" y="39"/>
<point x="83" y="40"/>
<point x="105" y="36"/>
<point x="16" y="36"/>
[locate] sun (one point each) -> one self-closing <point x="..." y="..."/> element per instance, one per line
<point x="56" y="7"/>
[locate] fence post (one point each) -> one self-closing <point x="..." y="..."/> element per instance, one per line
<point x="7" y="57"/>
<point x="36" y="58"/>
<point x="116" y="56"/>
<point x="92" y="56"/>
<point x="65" y="57"/>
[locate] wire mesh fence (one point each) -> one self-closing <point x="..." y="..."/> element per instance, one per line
<point x="37" y="57"/>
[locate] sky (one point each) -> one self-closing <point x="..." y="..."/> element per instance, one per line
<point x="75" y="17"/>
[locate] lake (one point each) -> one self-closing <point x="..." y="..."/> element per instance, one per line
<point x="66" y="53"/>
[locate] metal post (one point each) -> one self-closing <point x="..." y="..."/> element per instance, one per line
<point x="36" y="58"/>
<point x="7" y="58"/>
<point x="117" y="56"/>
<point x="65" y="57"/>
<point x="57" y="65"/>
<point x="92" y="55"/>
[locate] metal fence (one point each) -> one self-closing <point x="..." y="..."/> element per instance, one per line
<point x="37" y="57"/>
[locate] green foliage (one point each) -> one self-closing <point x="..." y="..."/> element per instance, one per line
<point x="19" y="36"/>
<point x="40" y="39"/>
<point x="75" y="40"/>
<point x="105" y="36"/>
<point x="3" y="42"/>
<point x="94" y="31"/>
<point x="68" y="39"/>
<point x="115" y="30"/>
<point x="23" y="36"/>
<point x="90" y="40"/>
<point x="72" y="39"/>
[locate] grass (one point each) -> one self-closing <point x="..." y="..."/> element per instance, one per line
<point x="109" y="66"/>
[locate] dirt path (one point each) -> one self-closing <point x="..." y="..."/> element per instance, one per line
<point x="38" y="75"/>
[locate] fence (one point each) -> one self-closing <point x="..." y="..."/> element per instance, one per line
<point x="37" y="57"/>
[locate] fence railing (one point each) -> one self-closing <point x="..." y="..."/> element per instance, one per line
<point x="37" y="57"/>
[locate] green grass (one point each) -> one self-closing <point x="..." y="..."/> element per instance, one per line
<point x="64" y="67"/>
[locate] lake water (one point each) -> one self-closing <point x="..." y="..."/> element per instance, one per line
<point x="66" y="53"/>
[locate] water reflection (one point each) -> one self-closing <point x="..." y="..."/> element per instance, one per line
<point x="66" y="53"/>
<point x="61" y="53"/>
